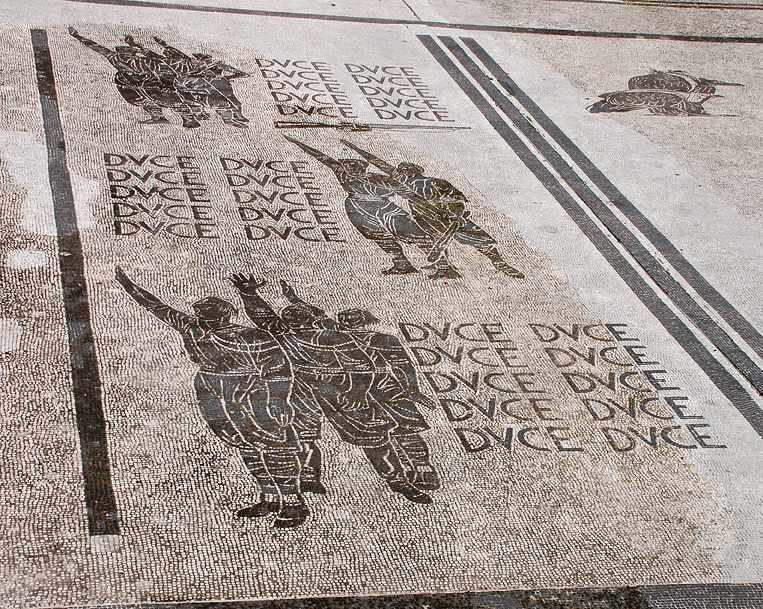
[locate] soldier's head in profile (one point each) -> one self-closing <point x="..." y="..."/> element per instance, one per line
<point x="214" y="311"/>
<point x="410" y="170"/>
<point x="355" y="319"/>
<point x="353" y="166"/>
<point x="299" y="315"/>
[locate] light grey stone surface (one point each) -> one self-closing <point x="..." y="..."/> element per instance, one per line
<point x="536" y="490"/>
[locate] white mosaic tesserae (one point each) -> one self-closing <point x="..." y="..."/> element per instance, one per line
<point x="389" y="303"/>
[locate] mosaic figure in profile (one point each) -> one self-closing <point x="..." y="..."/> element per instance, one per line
<point x="191" y="86"/>
<point x="672" y="93"/>
<point x="265" y="390"/>
<point x="437" y="217"/>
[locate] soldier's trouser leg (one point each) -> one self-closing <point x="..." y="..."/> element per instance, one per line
<point x="422" y="473"/>
<point x="284" y="467"/>
<point x="190" y="118"/>
<point x="269" y="499"/>
<point x="310" y="475"/>
<point x="373" y="230"/>
<point x="277" y="470"/>
<point x="443" y="269"/>
<point x="231" y="116"/>
<point x="485" y="245"/>
<point x="385" y="461"/>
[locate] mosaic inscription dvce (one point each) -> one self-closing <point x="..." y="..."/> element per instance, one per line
<point x="403" y="355"/>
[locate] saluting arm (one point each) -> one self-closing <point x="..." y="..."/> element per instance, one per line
<point x="167" y="47"/>
<point x="256" y="307"/>
<point x="173" y="317"/>
<point x="323" y="158"/>
<point x="92" y="44"/>
<point x="147" y="52"/>
<point x="374" y="160"/>
<point x="293" y="298"/>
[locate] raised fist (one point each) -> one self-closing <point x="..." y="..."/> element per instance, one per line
<point x="247" y="285"/>
<point x="122" y="277"/>
<point x="287" y="290"/>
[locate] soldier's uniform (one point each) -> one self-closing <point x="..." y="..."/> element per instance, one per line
<point x="334" y="376"/>
<point x="243" y="388"/>
<point x="446" y="203"/>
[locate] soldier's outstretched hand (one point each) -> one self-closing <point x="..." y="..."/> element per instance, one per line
<point x="74" y="32"/>
<point x="247" y="285"/>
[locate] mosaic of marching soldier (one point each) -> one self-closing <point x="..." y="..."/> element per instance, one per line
<point x="265" y="389"/>
<point x="438" y="215"/>
<point x="671" y="93"/>
<point x="191" y="86"/>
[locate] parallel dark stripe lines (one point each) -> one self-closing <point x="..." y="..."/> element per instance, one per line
<point x="718" y="374"/>
<point x="654" y="269"/>
<point x="671" y="253"/>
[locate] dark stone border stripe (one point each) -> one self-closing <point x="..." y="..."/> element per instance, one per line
<point x="677" y="294"/>
<point x="86" y="381"/>
<point x="704" y="596"/>
<point x="671" y="253"/>
<point x="676" y="596"/>
<point x="511" y="29"/>
<point x="721" y="377"/>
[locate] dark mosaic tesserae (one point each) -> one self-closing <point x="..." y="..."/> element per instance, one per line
<point x="391" y="304"/>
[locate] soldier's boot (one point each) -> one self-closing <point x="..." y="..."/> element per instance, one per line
<point x="190" y="118"/>
<point x="156" y="114"/>
<point x="425" y="476"/>
<point x="491" y="252"/>
<point x="270" y="501"/>
<point x="233" y="117"/>
<point x="386" y="463"/>
<point x="310" y="474"/>
<point x="293" y="512"/>
<point x="400" y="264"/>
<point x="443" y="269"/>
<point x="283" y="465"/>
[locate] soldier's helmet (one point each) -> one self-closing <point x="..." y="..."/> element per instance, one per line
<point x="353" y="319"/>
<point x="410" y="169"/>
<point x="353" y="165"/>
<point x="213" y="308"/>
<point x="299" y="316"/>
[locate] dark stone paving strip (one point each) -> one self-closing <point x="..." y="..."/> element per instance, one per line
<point x="671" y="4"/>
<point x="717" y="373"/>
<point x="704" y="596"/>
<point x="511" y="29"/>
<point x="86" y="381"/>
<point x="679" y="596"/>
<point x="656" y="272"/>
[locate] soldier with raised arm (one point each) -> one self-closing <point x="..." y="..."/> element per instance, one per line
<point x="243" y="387"/>
<point x="332" y="375"/>
<point x="443" y="215"/>
<point x="377" y="218"/>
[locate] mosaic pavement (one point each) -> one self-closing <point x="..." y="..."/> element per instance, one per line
<point x="419" y="305"/>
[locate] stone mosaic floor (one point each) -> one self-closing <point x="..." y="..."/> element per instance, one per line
<point x="396" y="303"/>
